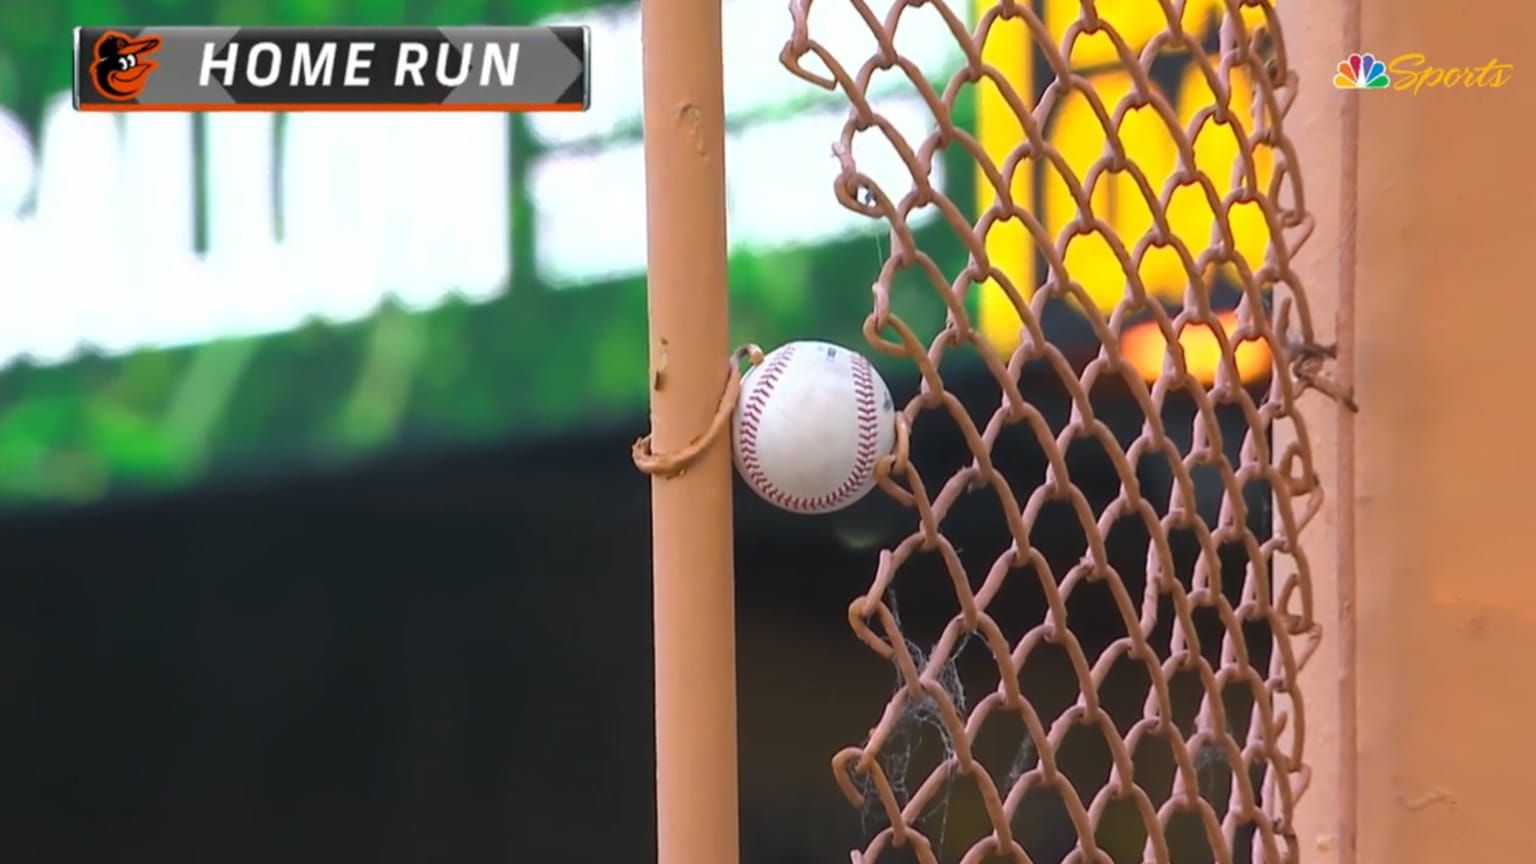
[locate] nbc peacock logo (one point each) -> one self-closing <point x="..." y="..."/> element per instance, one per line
<point x="1362" y="72"/>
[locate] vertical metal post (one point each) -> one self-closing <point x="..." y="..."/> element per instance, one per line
<point x="1432" y="623"/>
<point x="695" y="640"/>
<point x="1445" y="611"/>
<point x="1322" y="124"/>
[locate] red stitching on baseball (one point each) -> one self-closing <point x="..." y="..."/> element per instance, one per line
<point x="865" y="454"/>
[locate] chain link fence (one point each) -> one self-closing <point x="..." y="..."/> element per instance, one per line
<point x="1183" y="737"/>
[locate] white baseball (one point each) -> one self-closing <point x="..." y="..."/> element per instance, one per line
<point x="811" y="422"/>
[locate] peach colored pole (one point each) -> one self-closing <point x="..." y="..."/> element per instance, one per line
<point x="1445" y="608"/>
<point x="695" y="640"/>
<point x="1437" y="613"/>
<point x="1322" y="124"/>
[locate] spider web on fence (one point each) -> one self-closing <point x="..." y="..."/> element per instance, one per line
<point x="921" y="727"/>
<point x="1182" y="737"/>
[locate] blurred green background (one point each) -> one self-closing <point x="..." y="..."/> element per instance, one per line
<point x="554" y="347"/>
<point x="537" y="360"/>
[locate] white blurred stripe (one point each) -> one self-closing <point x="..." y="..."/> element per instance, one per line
<point x="590" y="207"/>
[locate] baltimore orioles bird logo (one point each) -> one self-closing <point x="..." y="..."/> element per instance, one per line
<point x="122" y="66"/>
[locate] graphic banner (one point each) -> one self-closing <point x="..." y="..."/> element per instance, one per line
<point x="504" y="69"/>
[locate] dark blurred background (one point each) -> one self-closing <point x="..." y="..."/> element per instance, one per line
<point x="447" y="659"/>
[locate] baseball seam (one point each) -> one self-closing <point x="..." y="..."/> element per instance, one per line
<point x="865" y="453"/>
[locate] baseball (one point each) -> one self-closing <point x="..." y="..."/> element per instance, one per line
<point x="811" y="422"/>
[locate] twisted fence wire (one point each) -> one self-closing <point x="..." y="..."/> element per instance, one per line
<point x="1260" y="605"/>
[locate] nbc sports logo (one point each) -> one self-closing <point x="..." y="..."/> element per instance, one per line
<point x="1362" y="72"/>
